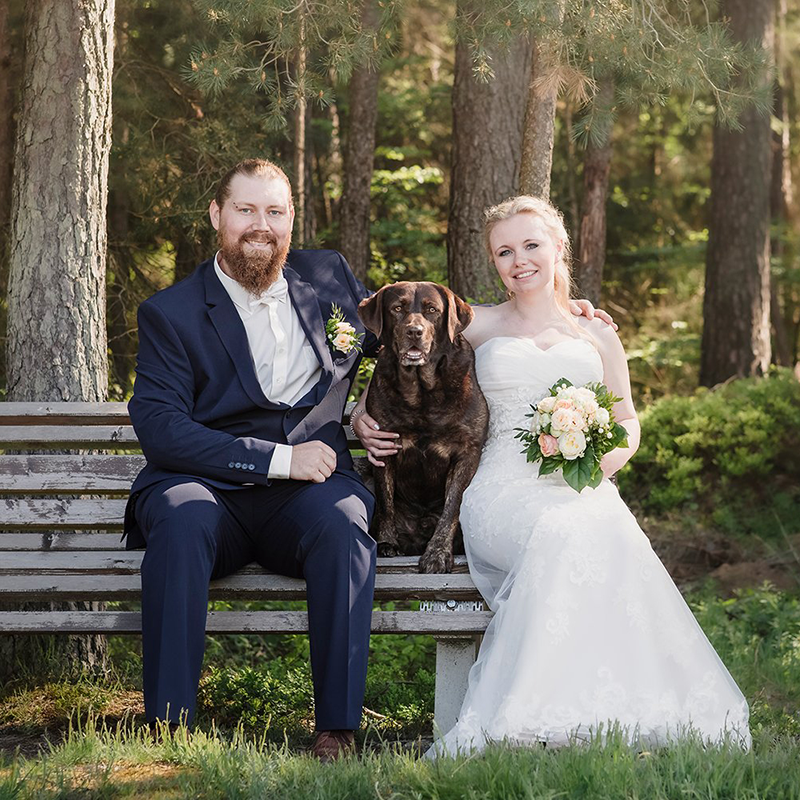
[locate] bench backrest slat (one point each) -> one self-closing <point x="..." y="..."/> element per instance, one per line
<point x="80" y="474"/>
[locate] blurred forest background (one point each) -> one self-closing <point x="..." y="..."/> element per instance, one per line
<point x="665" y="130"/>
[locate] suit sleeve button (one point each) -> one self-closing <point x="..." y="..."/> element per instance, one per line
<point x="238" y="465"/>
<point x="230" y="465"/>
<point x="251" y="466"/>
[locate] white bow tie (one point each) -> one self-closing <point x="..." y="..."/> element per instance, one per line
<point x="278" y="291"/>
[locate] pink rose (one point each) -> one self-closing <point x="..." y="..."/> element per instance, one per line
<point x="548" y="444"/>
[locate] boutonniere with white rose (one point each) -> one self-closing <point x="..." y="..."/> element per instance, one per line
<point x="571" y="430"/>
<point x="341" y="334"/>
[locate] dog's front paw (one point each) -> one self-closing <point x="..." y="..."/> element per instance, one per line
<point x="436" y="559"/>
<point x="388" y="549"/>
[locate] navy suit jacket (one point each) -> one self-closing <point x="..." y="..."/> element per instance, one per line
<point x="197" y="406"/>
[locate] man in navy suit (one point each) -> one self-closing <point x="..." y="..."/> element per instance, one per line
<point x="238" y="404"/>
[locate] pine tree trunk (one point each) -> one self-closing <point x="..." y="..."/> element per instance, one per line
<point x="6" y="123"/>
<point x="736" y="307"/>
<point x="540" y="119"/>
<point x="300" y="146"/>
<point x="592" y="237"/>
<point x="359" y="157"/>
<point x="56" y="348"/>
<point x="781" y="193"/>
<point x="487" y="148"/>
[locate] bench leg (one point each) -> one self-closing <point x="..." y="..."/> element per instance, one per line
<point x="454" y="658"/>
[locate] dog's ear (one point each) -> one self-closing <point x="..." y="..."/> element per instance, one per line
<point x="459" y="314"/>
<point x="371" y="312"/>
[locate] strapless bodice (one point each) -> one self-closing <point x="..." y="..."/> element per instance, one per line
<point x="514" y="373"/>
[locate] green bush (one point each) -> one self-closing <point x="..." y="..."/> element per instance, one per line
<point x="728" y="447"/>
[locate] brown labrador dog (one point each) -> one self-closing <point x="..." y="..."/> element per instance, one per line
<point x="424" y="388"/>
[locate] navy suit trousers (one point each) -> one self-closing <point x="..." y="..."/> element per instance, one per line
<point x="196" y="532"/>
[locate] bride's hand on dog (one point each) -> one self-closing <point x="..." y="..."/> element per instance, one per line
<point x="378" y="444"/>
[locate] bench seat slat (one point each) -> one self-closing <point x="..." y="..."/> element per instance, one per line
<point x="64" y="413"/>
<point x="69" y="474"/>
<point x="403" y="622"/>
<point x="121" y="561"/>
<point x="65" y="513"/>
<point x="243" y="585"/>
<point x="68" y="437"/>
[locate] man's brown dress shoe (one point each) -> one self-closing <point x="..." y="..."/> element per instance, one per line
<point x="332" y="745"/>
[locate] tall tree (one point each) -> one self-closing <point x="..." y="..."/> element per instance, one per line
<point x="736" y="305"/>
<point x="56" y="348"/>
<point x="359" y="156"/>
<point x="592" y="237"/>
<point x="540" y="113"/>
<point x="488" y="117"/>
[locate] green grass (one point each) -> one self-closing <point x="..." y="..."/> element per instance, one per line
<point x="97" y="763"/>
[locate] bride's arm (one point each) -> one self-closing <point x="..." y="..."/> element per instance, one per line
<point x="617" y="378"/>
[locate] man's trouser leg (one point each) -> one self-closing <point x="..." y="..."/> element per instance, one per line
<point x="192" y="536"/>
<point x="322" y="534"/>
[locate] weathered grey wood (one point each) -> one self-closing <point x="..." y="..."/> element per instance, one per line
<point x="454" y="659"/>
<point x="82" y="474"/>
<point x="65" y="513"/>
<point x="244" y="585"/>
<point x="403" y="622"/>
<point x="60" y="540"/>
<point x="59" y="413"/>
<point x="67" y="437"/>
<point x="130" y="561"/>
<point x="78" y="541"/>
<point x="84" y="437"/>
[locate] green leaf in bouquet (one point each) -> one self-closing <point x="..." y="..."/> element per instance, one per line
<point x="561" y="383"/>
<point x="578" y="473"/>
<point x="533" y="453"/>
<point x="549" y="465"/>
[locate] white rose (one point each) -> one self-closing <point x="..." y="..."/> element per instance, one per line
<point x="572" y="445"/>
<point x="343" y="342"/>
<point x="547" y="405"/>
<point x="344" y="327"/>
<point x="567" y="393"/>
<point x="584" y="397"/>
<point x="565" y="420"/>
<point x="602" y="417"/>
<point x="544" y="420"/>
<point x="535" y="423"/>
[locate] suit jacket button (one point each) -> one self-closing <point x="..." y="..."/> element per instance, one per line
<point x="251" y="466"/>
<point x="238" y="465"/>
<point x="230" y="465"/>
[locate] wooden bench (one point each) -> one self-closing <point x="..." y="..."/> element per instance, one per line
<point x="60" y="526"/>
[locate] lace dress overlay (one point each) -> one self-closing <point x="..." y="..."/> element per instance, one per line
<point x="589" y="628"/>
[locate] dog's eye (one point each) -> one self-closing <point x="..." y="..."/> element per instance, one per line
<point x="432" y="310"/>
<point x="397" y="308"/>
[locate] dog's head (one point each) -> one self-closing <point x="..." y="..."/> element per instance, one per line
<point x="415" y="318"/>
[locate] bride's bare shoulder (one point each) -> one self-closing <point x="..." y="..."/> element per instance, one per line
<point x="484" y="322"/>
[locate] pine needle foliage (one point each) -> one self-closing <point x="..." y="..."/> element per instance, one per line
<point x="651" y="49"/>
<point x="258" y="41"/>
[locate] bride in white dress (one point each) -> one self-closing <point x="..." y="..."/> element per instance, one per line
<point x="589" y="630"/>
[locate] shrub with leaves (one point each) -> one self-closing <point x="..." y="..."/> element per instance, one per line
<point x="737" y="442"/>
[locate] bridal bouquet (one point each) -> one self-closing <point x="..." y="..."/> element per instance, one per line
<point x="571" y="430"/>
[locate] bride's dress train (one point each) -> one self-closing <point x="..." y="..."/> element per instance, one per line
<point x="589" y="628"/>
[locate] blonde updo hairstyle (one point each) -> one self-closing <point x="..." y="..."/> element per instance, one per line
<point x="554" y="225"/>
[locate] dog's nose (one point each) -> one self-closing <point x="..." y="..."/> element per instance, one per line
<point x="414" y="331"/>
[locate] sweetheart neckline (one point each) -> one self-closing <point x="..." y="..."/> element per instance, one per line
<point x="530" y="339"/>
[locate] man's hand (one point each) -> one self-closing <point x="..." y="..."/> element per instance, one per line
<point x="378" y="443"/>
<point x="312" y="461"/>
<point x="583" y="308"/>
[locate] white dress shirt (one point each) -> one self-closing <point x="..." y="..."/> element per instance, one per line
<point x="285" y="362"/>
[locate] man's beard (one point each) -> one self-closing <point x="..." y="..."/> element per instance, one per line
<point x="255" y="271"/>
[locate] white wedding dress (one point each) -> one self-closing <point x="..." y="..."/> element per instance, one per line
<point x="589" y="628"/>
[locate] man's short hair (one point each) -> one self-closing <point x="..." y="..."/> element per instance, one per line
<point x="250" y="166"/>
